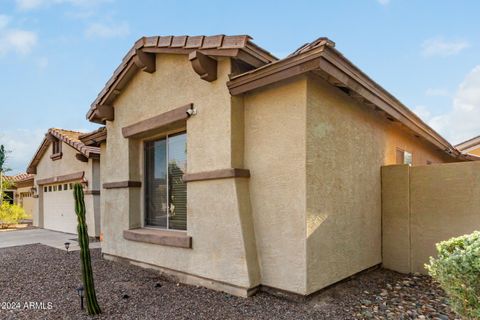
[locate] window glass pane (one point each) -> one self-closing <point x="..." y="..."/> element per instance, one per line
<point x="177" y="195"/>
<point x="407" y="158"/>
<point x="156" y="183"/>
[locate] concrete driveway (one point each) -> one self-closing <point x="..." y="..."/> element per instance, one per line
<point x="47" y="237"/>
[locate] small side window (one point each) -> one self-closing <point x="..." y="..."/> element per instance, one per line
<point x="403" y="157"/>
<point x="65" y="186"/>
<point x="60" y="187"/>
<point x="54" y="188"/>
<point x="49" y="188"/>
<point x="45" y="189"/>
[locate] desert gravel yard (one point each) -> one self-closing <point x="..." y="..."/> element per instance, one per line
<point x="41" y="274"/>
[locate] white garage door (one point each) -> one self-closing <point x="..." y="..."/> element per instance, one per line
<point x="59" y="208"/>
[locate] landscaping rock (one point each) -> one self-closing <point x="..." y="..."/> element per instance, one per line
<point x="46" y="278"/>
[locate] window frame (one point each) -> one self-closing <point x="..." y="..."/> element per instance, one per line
<point x="403" y="153"/>
<point x="143" y="172"/>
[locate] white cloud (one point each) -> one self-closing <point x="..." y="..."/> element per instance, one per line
<point x="15" y="40"/>
<point x="383" y="2"/>
<point x="436" y="92"/>
<point x="422" y="112"/>
<point x="20" y="41"/>
<point x="34" y="4"/>
<point x="100" y="30"/>
<point x="442" y="47"/>
<point x="463" y="120"/>
<point x="22" y="143"/>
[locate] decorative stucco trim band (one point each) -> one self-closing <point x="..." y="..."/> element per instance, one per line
<point x="122" y="184"/>
<point x="64" y="178"/>
<point x="161" y="237"/>
<point x="217" y="174"/>
<point x="157" y="123"/>
<point x="92" y="192"/>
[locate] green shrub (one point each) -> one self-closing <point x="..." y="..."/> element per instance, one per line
<point x="11" y="214"/>
<point x="457" y="270"/>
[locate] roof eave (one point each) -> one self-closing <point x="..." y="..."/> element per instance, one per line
<point x="328" y="62"/>
<point x="238" y="47"/>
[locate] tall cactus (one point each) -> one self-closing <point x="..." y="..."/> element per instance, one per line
<point x="87" y="275"/>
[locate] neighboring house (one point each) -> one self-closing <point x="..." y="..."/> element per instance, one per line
<point x="471" y="146"/>
<point x="60" y="161"/>
<point x="22" y="192"/>
<point x="231" y="169"/>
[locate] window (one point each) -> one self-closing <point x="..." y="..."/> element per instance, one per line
<point x="54" y="188"/>
<point x="56" y="147"/>
<point x="45" y="189"/>
<point x="404" y="157"/>
<point x="49" y="188"/>
<point x="71" y="186"/>
<point x="65" y="186"/>
<point x="60" y="187"/>
<point x="165" y="191"/>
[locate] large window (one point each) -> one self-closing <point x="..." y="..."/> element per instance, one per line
<point x="165" y="191"/>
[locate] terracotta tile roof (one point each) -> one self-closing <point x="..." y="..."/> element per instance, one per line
<point x="217" y="45"/>
<point x="312" y="45"/>
<point x="19" y="177"/>
<point x="94" y="138"/>
<point x="70" y="138"/>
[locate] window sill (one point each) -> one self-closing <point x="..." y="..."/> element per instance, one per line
<point x="162" y="237"/>
<point x="56" y="156"/>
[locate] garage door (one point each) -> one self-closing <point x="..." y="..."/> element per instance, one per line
<point x="58" y="208"/>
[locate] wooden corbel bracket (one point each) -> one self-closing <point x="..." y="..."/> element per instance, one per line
<point x="204" y="66"/>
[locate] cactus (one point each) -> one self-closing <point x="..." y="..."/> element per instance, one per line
<point x="87" y="275"/>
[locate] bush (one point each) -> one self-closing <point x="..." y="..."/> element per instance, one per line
<point x="457" y="269"/>
<point x="11" y="214"/>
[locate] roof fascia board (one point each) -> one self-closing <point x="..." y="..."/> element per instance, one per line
<point x="469" y="144"/>
<point x="331" y="62"/>
<point x="377" y="95"/>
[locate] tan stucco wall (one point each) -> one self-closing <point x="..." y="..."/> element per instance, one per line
<point x="221" y="227"/>
<point x="444" y="202"/>
<point x="275" y="154"/>
<point x="347" y="143"/>
<point x="475" y="151"/>
<point x="68" y="164"/>
<point x="309" y="216"/>
<point x="27" y="203"/>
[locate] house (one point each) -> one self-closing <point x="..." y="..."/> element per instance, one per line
<point x="60" y="161"/>
<point x="229" y="168"/>
<point x="21" y="192"/>
<point x="470" y="146"/>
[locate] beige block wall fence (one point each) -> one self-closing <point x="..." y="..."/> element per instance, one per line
<point x="423" y="205"/>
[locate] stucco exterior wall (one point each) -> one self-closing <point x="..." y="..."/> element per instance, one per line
<point x="275" y="155"/>
<point x="27" y="203"/>
<point x="475" y="152"/>
<point x="443" y="203"/>
<point x="347" y="143"/>
<point x="68" y="164"/>
<point x="220" y="226"/>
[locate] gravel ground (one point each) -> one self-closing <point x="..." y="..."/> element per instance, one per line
<point x="41" y="274"/>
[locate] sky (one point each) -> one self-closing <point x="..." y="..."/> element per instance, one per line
<point x="56" y="55"/>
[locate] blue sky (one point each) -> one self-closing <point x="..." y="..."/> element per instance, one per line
<point x="56" y="55"/>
